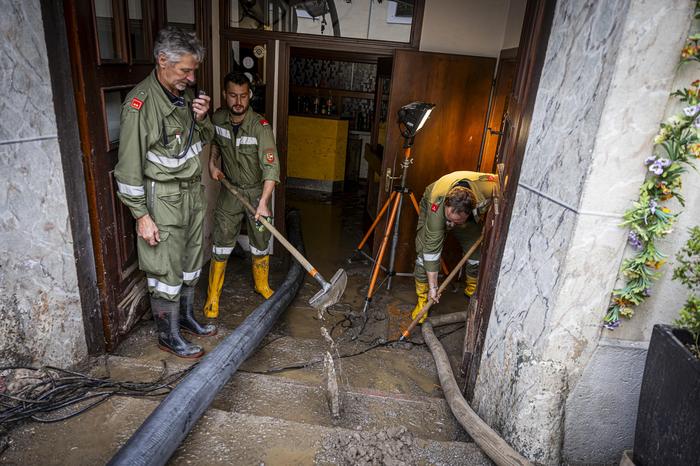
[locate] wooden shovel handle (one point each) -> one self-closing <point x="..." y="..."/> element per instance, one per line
<point x="445" y="282"/>
<point x="297" y="255"/>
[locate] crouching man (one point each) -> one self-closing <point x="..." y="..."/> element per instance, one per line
<point x="455" y="203"/>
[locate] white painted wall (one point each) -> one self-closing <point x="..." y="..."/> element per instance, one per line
<point x="514" y="23"/>
<point x="470" y="27"/>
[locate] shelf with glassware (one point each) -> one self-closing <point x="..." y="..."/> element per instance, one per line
<point x="355" y="106"/>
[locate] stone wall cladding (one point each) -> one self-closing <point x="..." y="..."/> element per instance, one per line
<point x="574" y="83"/>
<point x="604" y="86"/>
<point x="40" y="312"/>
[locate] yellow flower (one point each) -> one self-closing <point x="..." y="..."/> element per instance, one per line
<point x="694" y="149"/>
<point x="666" y="210"/>
<point x="656" y="264"/>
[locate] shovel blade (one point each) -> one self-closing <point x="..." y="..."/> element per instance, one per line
<point x="330" y="295"/>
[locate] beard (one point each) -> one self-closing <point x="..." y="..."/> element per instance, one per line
<point x="238" y="110"/>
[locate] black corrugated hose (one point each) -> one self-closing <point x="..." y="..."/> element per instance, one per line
<point x="163" y="431"/>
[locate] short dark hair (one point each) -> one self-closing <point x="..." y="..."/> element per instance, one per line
<point x="238" y="78"/>
<point x="461" y="199"/>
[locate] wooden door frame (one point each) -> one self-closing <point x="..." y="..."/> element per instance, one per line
<point x="72" y="160"/>
<point x="532" y="50"/>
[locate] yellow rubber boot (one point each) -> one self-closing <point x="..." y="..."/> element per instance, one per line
<point x="422" y="294"/>
<point x="261" y="269"/>
<point x="217" y="269"/>
<point x="470" y="289"/>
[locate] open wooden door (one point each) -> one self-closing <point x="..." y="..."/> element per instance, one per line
<point x="110" y="44"/>
<point x="532" y="49"/>
<point x="459" y="86"/>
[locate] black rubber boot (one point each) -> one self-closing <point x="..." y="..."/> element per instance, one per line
<point x="187" y="321"/>
<point x="165" y="313"/>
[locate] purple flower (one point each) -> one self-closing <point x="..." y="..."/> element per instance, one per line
<point x="664" y="162"/>
<point x="690" y="111"/>
<point x="634" y="240"/>
<point x="649" y="160"/>
<point x="656" y="168"/>
<point x="612" y="325"/>
<point x="652" y="206"/>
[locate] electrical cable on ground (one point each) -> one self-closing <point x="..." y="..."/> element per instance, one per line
<point x="313" y="362"/>
<point x="57" y="389"/>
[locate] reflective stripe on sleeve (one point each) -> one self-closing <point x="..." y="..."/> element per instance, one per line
<point x="223" y="132"/>
<point x="246" y="140"/>
<point x="191" y="275"/>
<point x="130" y="190"/>
<point x="172" y="162"/>
<point x="164" y="287"/>
<point x="419" y="260"/>
<point x="222" y="251"/>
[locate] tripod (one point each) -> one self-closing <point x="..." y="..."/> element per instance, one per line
<point x="395" y="200"/>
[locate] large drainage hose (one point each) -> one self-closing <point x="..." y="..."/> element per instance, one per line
<point x="488" y="440"/>
<point x="163" y="431"/>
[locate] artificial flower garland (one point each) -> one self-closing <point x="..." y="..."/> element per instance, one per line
<point x="675" y="147"/>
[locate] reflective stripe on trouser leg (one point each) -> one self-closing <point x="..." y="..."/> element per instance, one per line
<point x="228" y="217"/>
<point x="194" y="236"/>
<point x="259" y="240"/>
<point x="419" y="270"/>
<point x="163" y="262"/>
<point x="472" y="268"/>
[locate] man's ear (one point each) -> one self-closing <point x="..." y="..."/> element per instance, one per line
<point x="162" y="60"/>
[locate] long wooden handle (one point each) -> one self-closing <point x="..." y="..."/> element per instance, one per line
<point x="442" y="287"/>
<point x="297" y="255"/>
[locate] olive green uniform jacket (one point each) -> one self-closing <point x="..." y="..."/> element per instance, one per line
<point x="159" y="173"/>
<point x="249" y="157"/>
<point x="432" y="227"/>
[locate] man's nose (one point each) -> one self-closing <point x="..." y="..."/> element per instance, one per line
<point x="190" y="77"/>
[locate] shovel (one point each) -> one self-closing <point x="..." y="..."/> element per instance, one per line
<point x="446" y="282"/>
<point x="330" y="292"/>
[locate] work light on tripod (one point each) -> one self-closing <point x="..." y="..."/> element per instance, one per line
<point x="413" y="116"/>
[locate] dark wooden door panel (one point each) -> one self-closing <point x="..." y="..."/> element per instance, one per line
<point x="459" y="86"/>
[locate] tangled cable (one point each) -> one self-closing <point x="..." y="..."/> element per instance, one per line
<point x="378" y="344"/>
<point x="52" y="389"/>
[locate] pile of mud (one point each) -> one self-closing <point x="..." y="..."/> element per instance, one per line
<point x="392" y="446"/>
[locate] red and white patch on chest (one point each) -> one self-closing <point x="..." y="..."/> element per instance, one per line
<point x="264" y="122"/>
<point x="434" y="207"/>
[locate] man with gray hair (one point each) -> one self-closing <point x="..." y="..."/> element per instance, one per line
<point x="163" y="128"/>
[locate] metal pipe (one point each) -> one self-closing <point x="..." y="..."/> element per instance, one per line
<point x="165" y="429"/>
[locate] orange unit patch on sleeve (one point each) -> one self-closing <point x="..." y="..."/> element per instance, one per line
<point x="136" y="103"/>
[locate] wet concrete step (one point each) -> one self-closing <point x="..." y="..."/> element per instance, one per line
<point x="218" y="438"/>
<point x="389" y="370"/>
<point x="293" y="400"/>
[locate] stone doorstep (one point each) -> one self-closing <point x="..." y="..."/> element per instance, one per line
<point x="304" y="402"/>
<point x="218" y="438"/>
